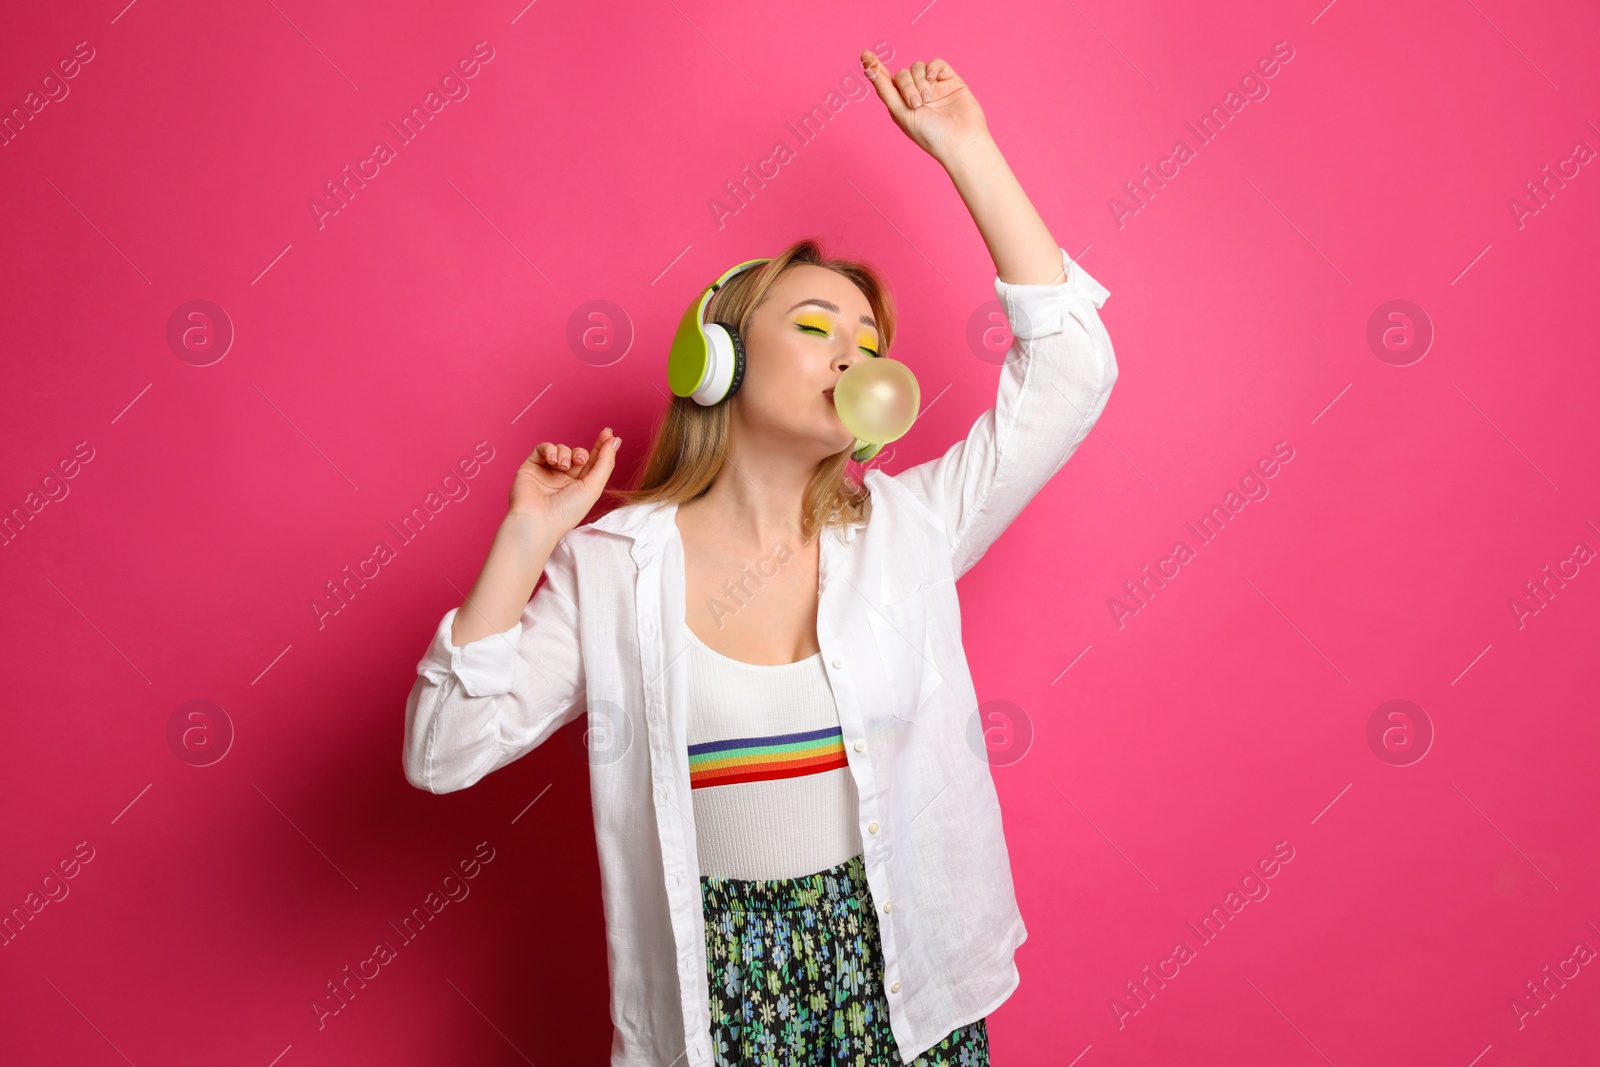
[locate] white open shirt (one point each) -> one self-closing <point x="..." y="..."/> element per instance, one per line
<point x="604" y="636"/>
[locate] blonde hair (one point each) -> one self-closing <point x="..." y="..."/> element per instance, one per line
<point x="690" y="443"/>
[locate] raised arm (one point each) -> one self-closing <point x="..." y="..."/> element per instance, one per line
<point x="1060" y="369"/>
<point x="937" y="110"/>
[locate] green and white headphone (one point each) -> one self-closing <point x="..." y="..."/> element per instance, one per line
<point x="707" y="359"/>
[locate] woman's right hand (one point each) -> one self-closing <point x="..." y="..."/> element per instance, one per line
<point x="557" y="485"/>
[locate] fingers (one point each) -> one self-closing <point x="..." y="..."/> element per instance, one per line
<point x="602" y="443"/>
<point x="919" y="81"/>
<point x="557" y="457"/>
<point x="891" y="95"/>
<point x="907" y="88"/>
<point x="605" y="458"/>
<point x="569" y="459"/>
<point x="911" y="88"/>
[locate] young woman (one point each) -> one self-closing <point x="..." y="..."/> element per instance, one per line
<point x="801" y="849"/>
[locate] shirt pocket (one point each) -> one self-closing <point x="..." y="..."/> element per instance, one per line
<point x="903" y="631"/>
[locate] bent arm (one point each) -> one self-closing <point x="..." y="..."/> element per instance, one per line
<point x="476" y="707"/>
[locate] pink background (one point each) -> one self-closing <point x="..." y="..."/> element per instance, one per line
<point x="212" y="504"/>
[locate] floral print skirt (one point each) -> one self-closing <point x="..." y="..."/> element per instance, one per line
<point x="795" y="970"/>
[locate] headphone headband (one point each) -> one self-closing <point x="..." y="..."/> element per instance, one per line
<point x="705" y="297"/>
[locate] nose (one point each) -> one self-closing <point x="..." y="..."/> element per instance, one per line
<point x="847" y="360"/>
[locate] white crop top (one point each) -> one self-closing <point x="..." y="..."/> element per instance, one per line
<point x="773" y="795"/>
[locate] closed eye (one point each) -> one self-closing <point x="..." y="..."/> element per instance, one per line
<point x="818" y="329"/>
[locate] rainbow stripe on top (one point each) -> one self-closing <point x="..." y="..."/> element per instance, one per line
<point x="760" y="759"/>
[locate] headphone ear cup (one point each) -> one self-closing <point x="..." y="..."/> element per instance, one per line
<point x="738" y="358"/>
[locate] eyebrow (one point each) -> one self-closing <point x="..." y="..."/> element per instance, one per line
<point x="866" y="319"/>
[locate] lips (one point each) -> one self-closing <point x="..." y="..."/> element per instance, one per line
<point x="828" y="393"/>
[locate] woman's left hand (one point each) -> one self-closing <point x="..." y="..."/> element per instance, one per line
<point x="931" y="103"/>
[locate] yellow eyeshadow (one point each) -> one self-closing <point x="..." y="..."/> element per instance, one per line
<point x="867" y="338"/>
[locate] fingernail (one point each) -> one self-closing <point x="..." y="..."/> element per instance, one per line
<point x="616" y="443"/>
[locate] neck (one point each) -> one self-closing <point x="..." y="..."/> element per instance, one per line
<point x="759" y="495"/>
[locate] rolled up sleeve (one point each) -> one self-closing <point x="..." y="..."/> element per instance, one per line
<point x="486" y="667"/>
<point x="1055" y="382"/>
<point x="476" y="707"/>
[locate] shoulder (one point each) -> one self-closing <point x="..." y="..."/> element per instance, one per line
<point x="893" y="495"/>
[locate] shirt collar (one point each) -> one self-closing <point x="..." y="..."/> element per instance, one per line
<point x="645" y="524"/>
<point x="632" y="520"/>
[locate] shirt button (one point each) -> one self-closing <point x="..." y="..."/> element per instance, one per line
<point x="838" y="663"/>
<point x="895" y="988"/>
<point x="888" y="905"/>
<point x="861" y="746"/>
<point x="872" y="827"/>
